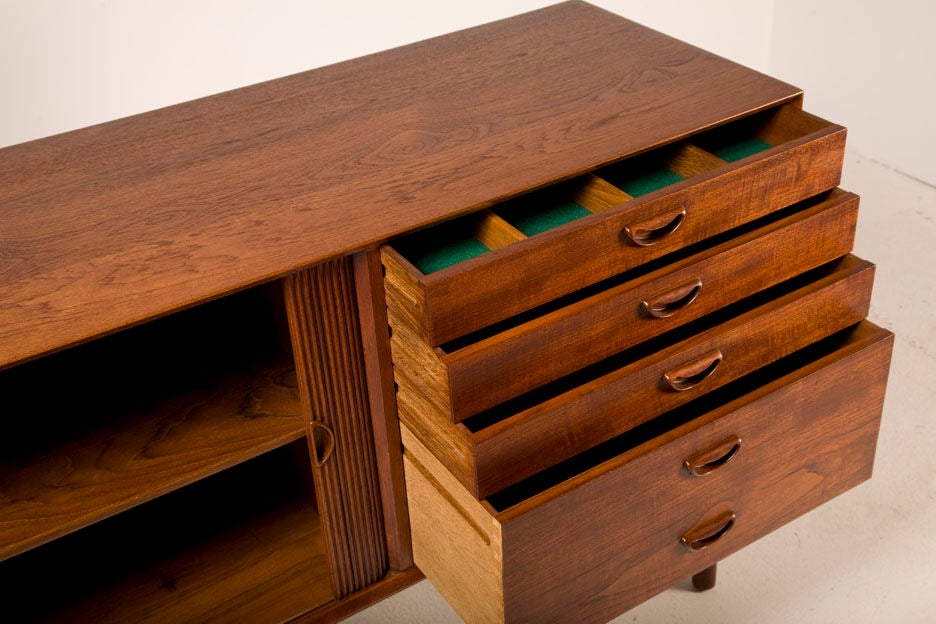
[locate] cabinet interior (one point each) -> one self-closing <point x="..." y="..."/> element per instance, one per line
<point x="193" y="554"/>
<point x="173" y="455"/>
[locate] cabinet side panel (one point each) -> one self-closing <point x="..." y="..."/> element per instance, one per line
<point x="375" y="335"/>
<point x="326" y="336"/>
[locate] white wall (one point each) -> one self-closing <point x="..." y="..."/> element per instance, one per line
<point x="869" y="65"/>
<point x="739" y="30"/>
<point x="65" y="64"/>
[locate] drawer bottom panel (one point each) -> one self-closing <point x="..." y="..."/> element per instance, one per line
<point x="593" y="537"/>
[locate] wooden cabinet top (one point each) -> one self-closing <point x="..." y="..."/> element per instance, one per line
<point x="114" y="224"/>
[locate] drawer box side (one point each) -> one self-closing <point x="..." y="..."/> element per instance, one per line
<point x="448" y="443"/>
<point x="405" y="295"/>
<point x="456" y="542"/>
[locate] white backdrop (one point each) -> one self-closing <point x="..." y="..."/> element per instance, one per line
<point x="64" y="64"/>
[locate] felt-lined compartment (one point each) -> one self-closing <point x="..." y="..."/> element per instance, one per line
<point x="659" y="168"/>
<point x="435" y="251"/>
<point x="534" y="214"/>
<point x="734" y="141"/>
<point x="757" y="133"/>
<point x="456" y="241"/>
<point x="548" y="208"/>
<point x="545" y="209"/>
<point x="738" y="147"/>
<point x="462" y="239"/>
<point x="539" y="211"/>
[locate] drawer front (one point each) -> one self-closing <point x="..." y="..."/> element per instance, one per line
<point x="597" y="543"/>
<point x="490" y="457"/>
<point x="524" y="272"/>
<point x="804" y="441"/>
<point x="503" y="366"/>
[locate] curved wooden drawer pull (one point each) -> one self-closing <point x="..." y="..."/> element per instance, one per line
<point x="652" y="231"/>
<point x="708" y="533"/>
<point x="692" y="374"/>
<point x="713" y="457"/>
<point x="323" y="443"/>
<point x="667" y="303"/>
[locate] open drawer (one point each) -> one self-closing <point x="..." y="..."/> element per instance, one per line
<point x="465" y="274"/>
<point x="507" y="444"/>
<point x="480" y="371"/>
<point x="596" y="535"/>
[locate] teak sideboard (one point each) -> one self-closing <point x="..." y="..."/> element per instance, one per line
<point x="556" y="311"/>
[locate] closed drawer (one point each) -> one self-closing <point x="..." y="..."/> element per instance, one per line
<point x="464" y="378"/>
<point x="520" y="254"/>
<point x="508" y="444"/>
<point x="593" y="537"/>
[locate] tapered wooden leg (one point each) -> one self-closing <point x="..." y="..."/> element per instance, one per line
<point x="705" y="579"/>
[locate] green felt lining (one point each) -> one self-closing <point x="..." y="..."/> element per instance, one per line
<point x="738" y="148"/>
<point x="446" y="246"/>
<point x="430" y="256"/>
<point x="532" y="219"/>
<point x="640" y="180"/>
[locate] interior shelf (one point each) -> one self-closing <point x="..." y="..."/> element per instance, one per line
<point x="243" y="545"/>
<point x="100" y="428"/>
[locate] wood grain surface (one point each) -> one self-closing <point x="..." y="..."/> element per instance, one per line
<point x="573" y="422"/>
<point x="476" y="293"/>
<point x="243" y="546"/>
<point x="110" y="225"/>
<point x="605" y="539"/>
<point x="375" y="344"/>
<point x="97" y="429"/>
<point x="531" y="438"/>
<point x="338" y="610"/>
<point x="144" y="455"/>
<point x="456" y="541"/>
<point x="519" y="359"/>
<point x="807" y="437"/>
<point x="330" y="364"/>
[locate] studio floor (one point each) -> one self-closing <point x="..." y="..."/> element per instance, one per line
<point x="868" y="556"/>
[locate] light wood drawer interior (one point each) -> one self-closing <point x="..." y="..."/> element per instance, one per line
<point x="602" y="532"/>
<point x="475" y="373"/>
<point x="519" y="438"/>
<point x="522" y="252"/>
